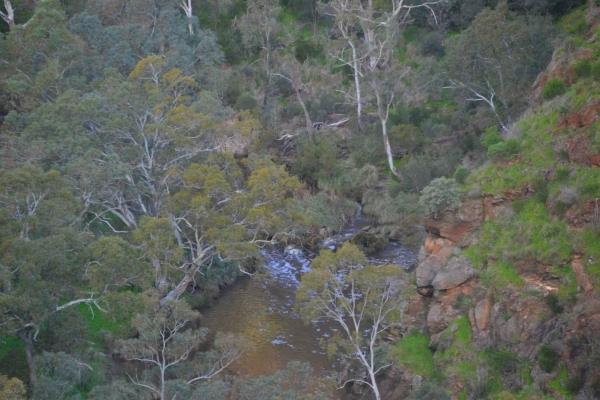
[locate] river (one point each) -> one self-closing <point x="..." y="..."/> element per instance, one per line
<point x="263" y="310"/>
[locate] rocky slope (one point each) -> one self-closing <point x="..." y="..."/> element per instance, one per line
<point x="508" y="284"/>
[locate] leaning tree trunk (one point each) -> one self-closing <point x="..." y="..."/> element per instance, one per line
<point x="9" y="17"/>
<point x="309" y="125"/>
<point x="25" y="335"/>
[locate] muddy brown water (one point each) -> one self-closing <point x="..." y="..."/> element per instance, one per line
<point x="263" y="310"/>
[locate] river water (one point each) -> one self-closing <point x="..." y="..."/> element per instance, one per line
<point x="263" y="310"/>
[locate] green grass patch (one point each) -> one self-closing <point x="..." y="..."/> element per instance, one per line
<point x="8" y="343"/>
<point x="463" y="334"/>
<point x="413" y="353"/>
<point x="557" y="385"/>
<point x="99" y="321"/>
<point x="529" y="234"/>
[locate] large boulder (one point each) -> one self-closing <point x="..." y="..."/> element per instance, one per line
<point x="432" y="258"/>
<point x="455" y="226"/>
<point x="458" y="271"/>
<point x="482" y="313"/>
<point x="440" y="316"/>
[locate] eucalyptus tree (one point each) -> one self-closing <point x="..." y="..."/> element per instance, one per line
<point x="369" y="33"/>
<point x="496" y="59"/>
<point x="167" y="341"/>
<point x="44" y="264"/>
<point x="363" y="299"/>
<point x="218" y="214"/>
<point x="292" y="71"/>
<point x="36" y="59"/>
<point x="149" y="127"/>
<point x="260" y="29"/>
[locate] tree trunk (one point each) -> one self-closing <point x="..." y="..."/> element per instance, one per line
<point x="25" y="335"/>
<point x="309" y="126"/>
<point x="383" y="117"/>
<point x="357" y="84"/>
<point x="9" y="17"/>
<point x="268" y="78"/>
<point x="179" y="289"/>
<point x="374" y="384"/>
<point x="388" y="152"/>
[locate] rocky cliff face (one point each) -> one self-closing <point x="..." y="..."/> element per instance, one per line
<point x="519" y="320"/>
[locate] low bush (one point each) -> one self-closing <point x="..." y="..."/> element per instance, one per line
<point x="440" y="195"/>
<point x="582" y="69"/>
<point x="547" y="358"/>
<point x="595" y="71"/>
<point x="554" y="87"/>
<point x="491" y="137"/>
<point x="553" y="302"/>
<point x="461" y="175"/>
<point x="562" y="174"/>
<point x="575" y="383"/>
<point x="503" y="150"/>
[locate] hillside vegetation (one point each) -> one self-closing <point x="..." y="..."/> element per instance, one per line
<point x="150" y="149"/>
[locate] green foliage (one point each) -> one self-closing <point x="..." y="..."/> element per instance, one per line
<point x="440" y="195"/>
<point x="491" y="137"/>
<point x="576" y="382"/>
<point x="464" y="332"/>
<point x="316" y="159"/>
<point x="12" y="389"/>
<point x="530" y="234"/>
<point x="245" y="102"/>
<point x="461" y="175"/>
<point x="463" y="303"/>
<point x="582" y="69"/>
<point x="595" y="70"/>
<point x="557" y="383"/>
<point x="540" y="189"/>
<point x="576" y="27"/>
<point x="562" y="174"/>
<point x="413" y="353"/>
<point x="502" y="361"/>
<point x="554" y="87"/>
<point x="503" y="150"/>
<point x="429" y="391"/>
<point x="547" y="358"/>
<point x="552" y="301"/>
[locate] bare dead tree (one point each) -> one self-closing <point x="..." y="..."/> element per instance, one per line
<point x="9" y="16"/>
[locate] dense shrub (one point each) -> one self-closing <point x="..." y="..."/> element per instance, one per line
<point x="430" y="391"/>
<point x="595" y="70"/>
<point x="306" y="49"/>
<point x="540" y="189"/>
<point x="582" y="69"/>
<point x="562" y="174"/>
<point x="245" y="102"/>
<point x="554" y="87"/>
<point x="491" y="138"/>
<point x="432" y="45"/>
<point x="440" y="195"/>
<point x="461" y="175"/>
<point x="576" y="27"/>
<point x="575" y="383"/>
<point x="553" y="302"/>
<point x="503" y="150"/>
<point x="547" y="358"/>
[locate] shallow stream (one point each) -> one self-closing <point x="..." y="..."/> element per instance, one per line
<point x="263" y="310"/>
